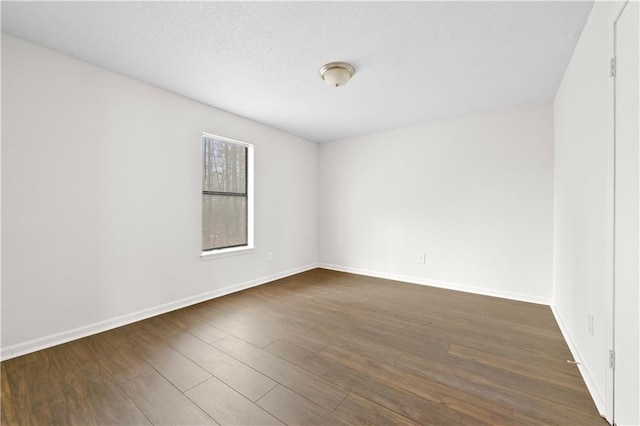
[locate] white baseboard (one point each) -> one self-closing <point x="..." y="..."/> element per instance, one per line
<point x="98" y="327"/>
<point x="587" y="376"/>
<point x="440" y="284"/>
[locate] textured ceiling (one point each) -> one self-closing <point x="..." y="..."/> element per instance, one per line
<point x="416" y="61"/>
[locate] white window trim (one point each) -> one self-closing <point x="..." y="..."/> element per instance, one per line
<point x="250" y="247"/>
<point x="226" y="252"/>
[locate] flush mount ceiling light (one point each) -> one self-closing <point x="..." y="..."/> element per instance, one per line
<point x="337" y="74"/>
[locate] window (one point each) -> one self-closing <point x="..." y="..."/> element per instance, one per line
<point x="226" y="197"/>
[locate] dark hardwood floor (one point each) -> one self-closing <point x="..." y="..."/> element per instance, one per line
<point x="318" y="348"/>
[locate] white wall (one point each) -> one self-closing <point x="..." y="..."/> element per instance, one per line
<point x="101" y="199"/>
<point x="583" y="233"/>
<point x="474" y="194"/>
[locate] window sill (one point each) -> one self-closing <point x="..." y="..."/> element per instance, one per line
<point x="217" y="254"/>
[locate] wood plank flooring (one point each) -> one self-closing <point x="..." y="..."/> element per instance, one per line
<point x="317" y="348"/>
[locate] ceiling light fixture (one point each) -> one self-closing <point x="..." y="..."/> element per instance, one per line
<point x="337" y="74"/>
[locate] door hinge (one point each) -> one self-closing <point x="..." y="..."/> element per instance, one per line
<point x="612" y="359"/>
<point x="612" y="67"/>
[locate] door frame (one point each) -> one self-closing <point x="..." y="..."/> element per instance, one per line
<point x="611" y="209"/>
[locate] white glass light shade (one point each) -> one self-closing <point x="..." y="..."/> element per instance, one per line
<point x="337" y="74"/>
<point x="336" y="77"/>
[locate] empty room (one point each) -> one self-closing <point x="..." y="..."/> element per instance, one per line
<point x="320" y="213"/>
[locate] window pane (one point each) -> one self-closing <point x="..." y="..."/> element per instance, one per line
<point x="225" y="166"/>
<point x="224" y="221"/>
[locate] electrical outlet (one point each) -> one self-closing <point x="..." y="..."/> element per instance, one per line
<point x="590" y="323"/>
<point x="422" y="259"/>
<point x="270" y="256"/>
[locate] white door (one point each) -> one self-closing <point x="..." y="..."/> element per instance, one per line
<point x="626" y="400"/>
